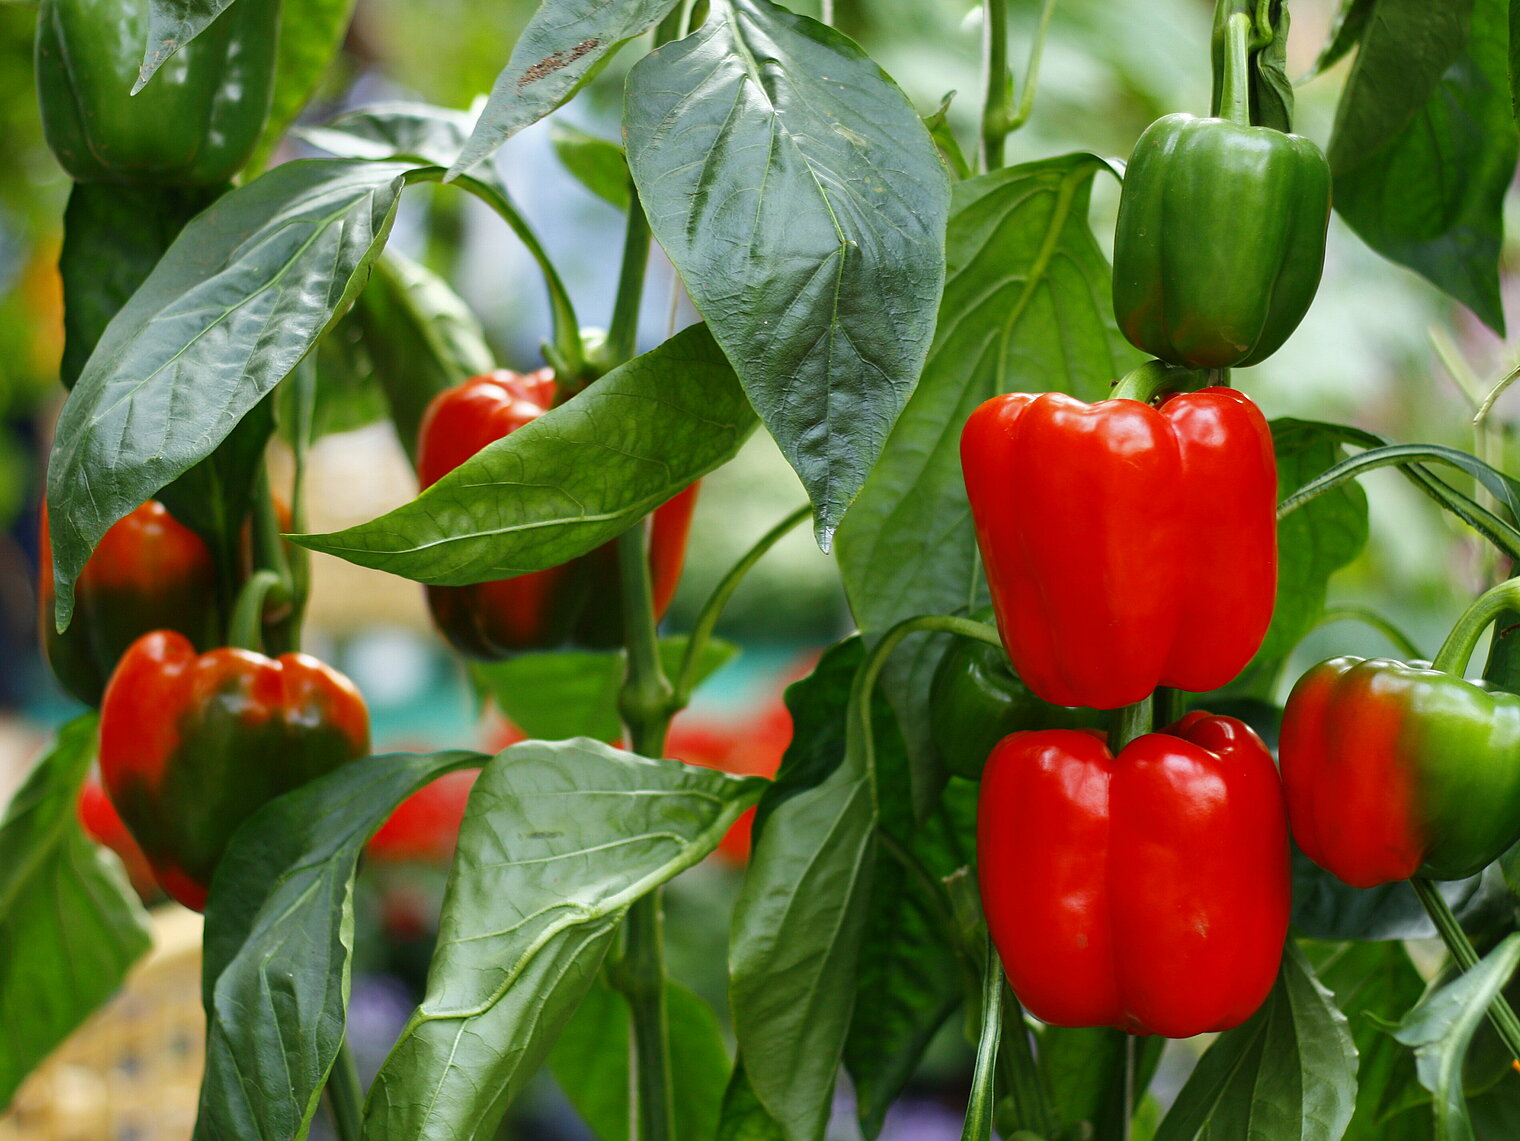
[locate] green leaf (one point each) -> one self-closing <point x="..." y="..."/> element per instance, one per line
<point x="70" y="924"/>
<point x="558" y="841"/>
<point x="1441" y="1028"/>
<point x="279" y="943"/>
<point x="569" y="481"/>
<point x="171" y="25"/>
<point x="1426" y="189"/>
<point x="421" y="338"/>
<point x="396" y="130"/>
<point x="804" y="909"/>
<point x="575" y="694"/>
<point x="1313" y="543"/>
<point x="236" y="302"/>
<point x="1026" y="308"/>
<point x="590" y="1062"/>
<point x="598" y="165"/>
<point x="113" y="236"/>
<point x="743" y="1118"/>
<point x="558" y="50"/>
<point x="1376" y="984"/>
<point x="1326" y="908"/>
<point x="1350" y="26"/>
<point x="801" y="199"/>
<point x="311" y="34"/>
<point x="947" y="144"/>
<point x="1286" y="1074"/>
<point x="1084" y="1071"/>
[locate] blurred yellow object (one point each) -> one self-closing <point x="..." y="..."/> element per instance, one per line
<point x="134" y="1069"/>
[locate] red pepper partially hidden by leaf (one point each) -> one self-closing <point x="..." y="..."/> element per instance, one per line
<point x="1147" y="892"/>
<point x="576" y="602"/>
<point x="424" y="828"/>
<point x="191" y="745"/>
<point x="148" y="572"/>
<point x="1126" y="546"/>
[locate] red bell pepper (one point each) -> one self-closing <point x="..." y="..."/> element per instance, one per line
<point x="1147" y="892"/>
<point x="148" y="572"/>
<point x="576" y="602"/>
<point x="1126" y="546"/>
<point x="191" y="745"/>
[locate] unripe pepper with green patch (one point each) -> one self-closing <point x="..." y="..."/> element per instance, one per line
<point x="1221" y="235"/>
<point x="197" y="120"/>
<point x="578" y="602"/>
<point x="191" y="745"/>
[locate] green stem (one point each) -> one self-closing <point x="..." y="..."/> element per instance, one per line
<point x="623" y="334"/>
<point x="1168" y="705"/>
<point x="1500" y="1013"/>
<point x="983" y="1099"/>
<point x="1457" y="649"/>
<point x="1235" y="102"/>
<point x="1020" y="1073"/>
<point x="1401" y="641"/>
<point x="1145" y="382"/>
<point x="1032" y="69"/>
<point x="346" y="1095"/>
<point x="999" y="84"/>
<point x="712" y="609"/>
<point x="1130" y="722"/>
<point x="269" y="553"/>
<point x="569" y="361"/>
<point x="246" y="630"/>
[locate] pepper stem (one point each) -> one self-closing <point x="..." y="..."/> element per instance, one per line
<point x="346" y="1095"/>
<point x="1147" y="381"/>
<point x="246" y="630"/>
<point x="1500" y="1012"/>
<point x="983" y="1099"/>
<point x="1130" y="722"/>
<point x="1235" y="101"/>
<point x="1458" y="647"/>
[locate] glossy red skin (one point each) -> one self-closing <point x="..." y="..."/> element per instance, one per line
<point x="148" y="572"/>
<point x="1126" y="546"/>
<point x="573" y="602"/>
<point x="1148" y="892"/>
<point x="192" y="744"/>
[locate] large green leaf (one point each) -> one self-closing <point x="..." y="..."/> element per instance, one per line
<point x="421" y="338"/>
<point x="558" y="841"/>
<point x="1286" y="1074"/>
<point x="236" y="302"/>
<point x="1424" y="185"/>
<point x="590" y="1062"/>
<point x="562" y="44"/>
<point x="311" y="33"/>
<point x="1441" y="1028"/>
<point x="1026" y="308"/>
<point x="279" y="944"/>
<point x="575" y="693"/>
<point x="70" y="925"/>
<point x="804" y="204"/>
<point x="805" y="907"/>
<point x="569" y="481"/>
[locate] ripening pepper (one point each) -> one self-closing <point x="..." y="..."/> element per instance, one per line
<point x="577" y="602"/>
<point x="196" y="121"/>
<point x="1394" y="770"/>
<point x="1220" y="240"/>
<point x="1147" y="892"/>
<point x="1126" y="546"/>
<point x="976" y="700"/>
<point x="148" y="572"/>
<point x="191" y="745"/>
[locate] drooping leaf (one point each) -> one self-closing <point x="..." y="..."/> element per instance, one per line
<point x="568" y="481"/>
<point x="1326" y="908"/>
<point x="558" y="841"/>
<point x="279" y="944"/>
<point x="564" y="694"/>
<point x="801" y="199"/>
<point x="558" y="50"/>
<point x="1350" y="25"/>
<point x="171" y="25"/>
<point x="1426" y="189"/>
<point x="1026" y="309"/>
<point x="421" y="338"/>
<point x="70" y="924"/>
<point x="590" y="1062"/>
<point x="598" y="165"/>
<point x="236" y="302"/>
<point x="311" y="32"/>
<point x="1286" y="1074"/>
<point x="1441" y="1028"/>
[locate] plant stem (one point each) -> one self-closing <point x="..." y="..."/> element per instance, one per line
<point x="346" y="1095"/>
<point x="1457" y="649"/>
<point x="1130" y="722"/>
<point x="1235" y="102"/>
<point x="269" y="553"/>
<point x="246" y="630"/>
<point x="712" y="609"/>
<point x="1145" y="382"/>
<point x="1031" y="1107"/>
<point x="1500" y="1013"/>
<point x="1032" y="70"/>
<point x="983" y="1099"/>
<point x="999" y="84"/>
<point x="623" y="334"/>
